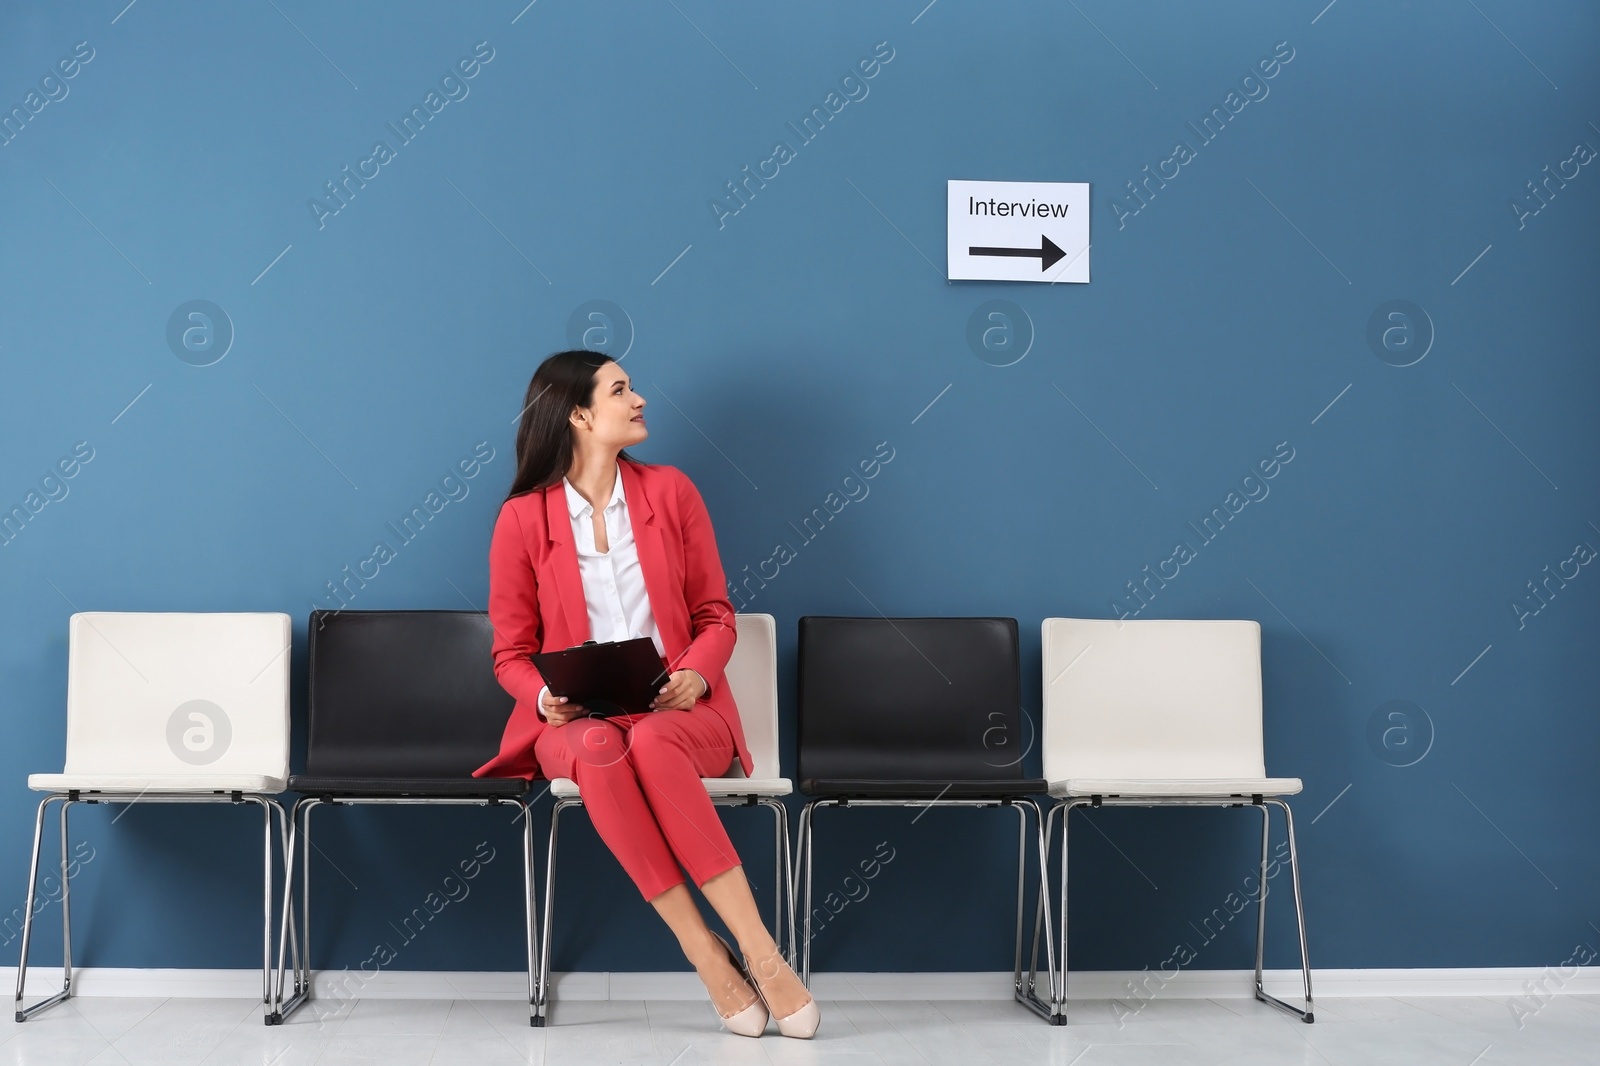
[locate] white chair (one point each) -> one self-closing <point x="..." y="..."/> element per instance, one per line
<point x="752" y="674"/>
<point x="1154" y="713"/>
<point x="169" y="708"/>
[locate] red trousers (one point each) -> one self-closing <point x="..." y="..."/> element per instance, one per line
<point x="639" y="776"/>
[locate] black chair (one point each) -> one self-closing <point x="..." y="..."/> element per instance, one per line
<point x="403" y="706"/>
<point x="913" y="712"/>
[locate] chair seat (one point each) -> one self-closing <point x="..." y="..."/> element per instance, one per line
<point x="923" y="790"/>
<point x="409" y="787"/>
<point x="748" y="786"/>
<point x="1171" y="787"/>
<point x="136" y="783"/>
<point x="566" y="788"/>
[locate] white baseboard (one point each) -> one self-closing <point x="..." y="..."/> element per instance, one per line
<point x="1102" y="984"/>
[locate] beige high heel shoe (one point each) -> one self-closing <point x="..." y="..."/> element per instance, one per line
<point x="752" y="1020"/>
<point x="802" y="1024"/>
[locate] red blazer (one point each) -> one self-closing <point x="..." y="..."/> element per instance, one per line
<point x="536" y="598"/>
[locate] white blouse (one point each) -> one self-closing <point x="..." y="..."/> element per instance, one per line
<point x="613" y="583"/>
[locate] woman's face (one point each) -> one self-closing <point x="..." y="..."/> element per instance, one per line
<point x="615" y="415"/>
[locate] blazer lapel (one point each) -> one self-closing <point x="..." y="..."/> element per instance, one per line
<point x="666" y="607"/>
<point x="564" y="559"/>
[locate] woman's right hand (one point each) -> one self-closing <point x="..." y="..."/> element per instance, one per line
<point x="558" y="711"/>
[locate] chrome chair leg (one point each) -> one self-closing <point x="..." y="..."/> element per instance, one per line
<point x="299" y="826"/>
<point x="795" y="873"/>
<point x="531" y="906"/>
<point x="1025" y="994"/>
<point x="22" y="1013"/>
<point x="1306" y="1015"/>
<point x="1299" y="906"/>
<point x="1022" y="879"/>
<point x="1061" y="914"/>
<point x="286" y="923"/>
<point x="1042" y="852"/>
<point x="66" y="904"/>
<point x="541" y="1006"/>
<point x="269" y="1003"/>
<point x="788" y="876"/>
<point x="807" y="830"/>
<point x="285" y="821"/>
<point x="305" y="895"/>
<point x="783" y="931"/>
<point x="1052" y="1007"/>
<point x="777" y="872"/>
<point x="288" y="931"/>
<point x="1022" y="876"/>
<point x="1030" y="988"/>
<point x="1261" y="894"/>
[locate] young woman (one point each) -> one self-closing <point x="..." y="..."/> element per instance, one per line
<point x="593" y="545"/>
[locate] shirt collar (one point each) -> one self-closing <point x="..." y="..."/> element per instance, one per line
<point x="577" y="506"/>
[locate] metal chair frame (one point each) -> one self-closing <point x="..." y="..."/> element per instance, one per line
<point x="1022" y="806"/>
<point x="1056" y="1007"/>
<point x="300" y="825"/>
<point x="269" y="807"/>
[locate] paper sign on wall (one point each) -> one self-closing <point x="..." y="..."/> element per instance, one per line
<point x="1018" y="231"/>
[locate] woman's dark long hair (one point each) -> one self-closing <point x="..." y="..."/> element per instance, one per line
<point x="544" y="436"/>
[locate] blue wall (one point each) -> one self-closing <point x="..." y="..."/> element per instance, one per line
<point x="1231" y="318"/>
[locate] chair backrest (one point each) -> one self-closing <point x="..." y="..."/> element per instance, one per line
<point x="172" y="694"/>
<point x="752" y="676"/>
<point x="913" y="699"/>
<point x="403" y="694"/>
<point x="1152" y="699"/>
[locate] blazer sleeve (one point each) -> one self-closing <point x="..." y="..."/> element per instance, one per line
<point x="514" y="609"/>
<point x="712" y="627"/>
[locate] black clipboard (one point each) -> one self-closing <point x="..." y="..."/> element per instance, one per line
<point x="616" y="677"/>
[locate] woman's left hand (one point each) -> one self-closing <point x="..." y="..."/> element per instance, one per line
<point x="683" y="687"/>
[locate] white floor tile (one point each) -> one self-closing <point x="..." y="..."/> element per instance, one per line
<point x="183" y="1032"/>
<point x="377" y="1051"/>
<point x="481" y="1051"/>
<point x="34" y="1047"/>
<point x="396" y="1017"/>
<point x="254" y="1044"/>
<point x="109" y="1018"/>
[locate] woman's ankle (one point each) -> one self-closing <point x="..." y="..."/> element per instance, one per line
<point x="727" y="987"/>
<point x="704" y="950"/>
<point x="764" y="951"/>
<point x="769" y="966"/>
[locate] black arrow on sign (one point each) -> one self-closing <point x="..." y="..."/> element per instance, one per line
<point x="1049" y="255"/>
